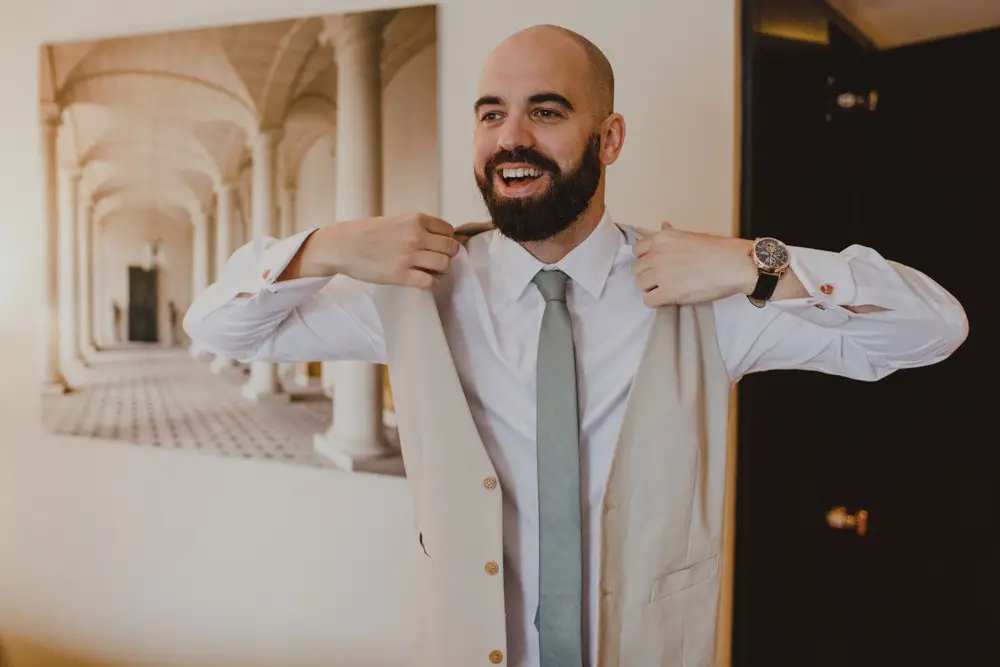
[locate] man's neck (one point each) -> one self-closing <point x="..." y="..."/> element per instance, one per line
<point x="553" y="249"/>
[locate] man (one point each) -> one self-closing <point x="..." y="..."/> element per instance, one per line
<point x="555" y="265"/>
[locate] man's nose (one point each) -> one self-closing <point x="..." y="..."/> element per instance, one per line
<point x="515" y="134"/>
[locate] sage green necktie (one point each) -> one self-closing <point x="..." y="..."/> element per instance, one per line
<point x="560" y="604"/>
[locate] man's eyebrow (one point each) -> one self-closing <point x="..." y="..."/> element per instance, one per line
<point x="487" y="100"/>
<point x="537" y="98"/>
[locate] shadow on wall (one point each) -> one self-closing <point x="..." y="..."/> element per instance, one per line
<point x="16" y="651"/>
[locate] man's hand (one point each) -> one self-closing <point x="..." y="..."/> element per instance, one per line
<point x="679" y="267"/>
<point x="412" y="249"/>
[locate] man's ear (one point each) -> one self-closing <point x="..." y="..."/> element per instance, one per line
<point x="612" y="138"/>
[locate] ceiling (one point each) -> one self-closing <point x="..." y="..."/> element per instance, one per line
<point x="890" y="23"/>
<point x="886" y="23"/>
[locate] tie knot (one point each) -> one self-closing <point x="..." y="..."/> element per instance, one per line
<point x="552" y="284"/>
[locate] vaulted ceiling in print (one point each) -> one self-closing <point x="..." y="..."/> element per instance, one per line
<point x="155" y="122"/>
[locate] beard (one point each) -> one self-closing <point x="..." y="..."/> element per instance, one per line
<point x="544" y="215"/>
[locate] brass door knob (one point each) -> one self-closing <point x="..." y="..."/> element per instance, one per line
<point x="839" y="518"/>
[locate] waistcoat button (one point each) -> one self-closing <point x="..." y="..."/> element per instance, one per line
<point x="490" y="482"/>
<point x="496" y="657"/>
<point x="492" y="568"/>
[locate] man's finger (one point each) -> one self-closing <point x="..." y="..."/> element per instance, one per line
<point x="435" y="262"/>
<point x="436" y="225"/>
<point x="654" y="298"/>
<point x="642" y="246"/>
<point x="646" y="281"/>
<point x="420" y="279"/>
<point x="446" y="245"/>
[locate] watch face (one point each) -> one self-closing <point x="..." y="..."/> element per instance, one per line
<point x="771" y="253"/>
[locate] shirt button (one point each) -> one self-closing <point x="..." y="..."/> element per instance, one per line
<point x="266" y="273"/>
<point x="492" y="568"/>
<point x="496" y="657"/>
<point x="826" y="289"/>
<point x="490" y="482"/>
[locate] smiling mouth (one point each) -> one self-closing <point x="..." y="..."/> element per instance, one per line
<point x="520" y="175"/>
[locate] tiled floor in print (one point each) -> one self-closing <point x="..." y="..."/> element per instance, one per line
<point x="163" y="398"/>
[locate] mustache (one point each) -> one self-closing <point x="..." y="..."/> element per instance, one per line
<point x="524" y="155"/>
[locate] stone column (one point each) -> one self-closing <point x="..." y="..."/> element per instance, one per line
<point x="86" y="294"/>
<point x="210" y="249"/>
<point x="356" y="438"/>
<point x="199" y="264"/>
<point x="223" y="248"/>
<point x="264" y="383"/>
<point x="286" y="227"/>
<point x="69" y="288"/>
<point x="288" y="213"/>
<point x="53" y="380"/>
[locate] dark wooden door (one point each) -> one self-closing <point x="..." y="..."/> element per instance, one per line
<point x="917" y="179"/>
<point x="143" y="305"/>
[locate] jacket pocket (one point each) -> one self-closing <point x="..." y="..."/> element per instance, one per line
<point x="679" y="580"/>
<point x="680" y="621"/>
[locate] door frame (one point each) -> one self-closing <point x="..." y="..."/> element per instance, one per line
<point x="741" y="555"/>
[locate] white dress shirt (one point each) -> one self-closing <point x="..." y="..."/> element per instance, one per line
<point x="492" y="312"/>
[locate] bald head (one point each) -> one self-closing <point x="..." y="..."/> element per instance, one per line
<point x="545" y="132"/>
<point x="567" y="49"/>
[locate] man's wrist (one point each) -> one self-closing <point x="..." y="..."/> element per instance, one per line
<point x="320" y="251"/>
<point x="745" y="270"/>
<point x="313" y="259"/>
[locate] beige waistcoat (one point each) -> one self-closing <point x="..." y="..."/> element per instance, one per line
<point x="662" y="527"/>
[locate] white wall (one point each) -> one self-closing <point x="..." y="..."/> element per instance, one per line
<point x="410" y="138"/>
<point x="121" y="242"/>
<point x="114" y="555"/>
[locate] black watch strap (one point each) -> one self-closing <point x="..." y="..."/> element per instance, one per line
<point x="766" y="284"/>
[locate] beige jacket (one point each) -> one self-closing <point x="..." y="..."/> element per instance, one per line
<point x="663" y="523"/>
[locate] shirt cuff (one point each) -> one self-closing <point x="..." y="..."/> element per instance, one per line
<point x="271" y="263"/>
<point x="830" y="282"/>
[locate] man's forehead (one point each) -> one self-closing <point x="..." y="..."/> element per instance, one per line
<point x="538" y="52"/>
<point x="520" y="79"/>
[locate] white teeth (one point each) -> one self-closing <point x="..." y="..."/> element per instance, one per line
<point x="521" y="172"/>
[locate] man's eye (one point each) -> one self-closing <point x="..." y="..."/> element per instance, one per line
<point x="490" y="115"/>
<point x="547" y="113"/>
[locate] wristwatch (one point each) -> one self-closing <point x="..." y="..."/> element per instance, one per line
<point x="770" y="256"/>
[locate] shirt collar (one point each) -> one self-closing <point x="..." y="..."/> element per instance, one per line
<point x="588" y="265"/>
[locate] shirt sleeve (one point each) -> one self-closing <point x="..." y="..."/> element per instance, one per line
<point x="864" y="318"/>
<point x="248" y="315"/>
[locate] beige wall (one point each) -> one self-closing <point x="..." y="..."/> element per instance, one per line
<point x="410" y="136"/>
<point x="115" y="555"/>
<point x="121" y="242"/>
